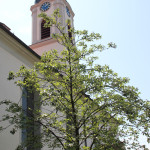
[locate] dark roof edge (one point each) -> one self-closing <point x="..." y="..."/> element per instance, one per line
<point x="3" y="27"/>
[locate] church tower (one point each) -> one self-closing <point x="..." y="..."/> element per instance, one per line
<point x="41" y="37"/>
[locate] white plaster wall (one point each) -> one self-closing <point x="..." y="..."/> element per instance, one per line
<point x="11" y="58"/>
<point x="8" y="91"/>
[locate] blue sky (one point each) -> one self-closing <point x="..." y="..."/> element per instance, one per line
<point x="125" y="22"/>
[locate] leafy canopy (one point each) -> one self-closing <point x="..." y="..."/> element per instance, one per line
<point x="81" y="105"/>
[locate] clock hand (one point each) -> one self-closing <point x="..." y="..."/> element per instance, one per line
<point x="46" y="5"/>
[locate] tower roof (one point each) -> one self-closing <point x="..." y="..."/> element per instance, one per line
<point x="37" y="1"/>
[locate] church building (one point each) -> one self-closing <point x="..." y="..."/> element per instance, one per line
<point x="15" y="53"/>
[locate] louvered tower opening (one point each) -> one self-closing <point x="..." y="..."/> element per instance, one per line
<point x="69" y="33"/>
<point x="45" y="32"/>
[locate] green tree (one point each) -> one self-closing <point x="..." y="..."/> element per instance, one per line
<point x="81" y="105"/>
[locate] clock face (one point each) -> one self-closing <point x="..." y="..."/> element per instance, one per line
<point x="67" y="10"/>
<point x="45" y="6"/>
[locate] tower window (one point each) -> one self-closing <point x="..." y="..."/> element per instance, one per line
<point x="69" y="32"/>
<point x="45" y="32"/>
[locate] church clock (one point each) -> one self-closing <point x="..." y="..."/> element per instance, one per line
<point x="45" y="6"/>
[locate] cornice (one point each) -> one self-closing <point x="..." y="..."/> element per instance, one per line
<point x="42" y="43"/>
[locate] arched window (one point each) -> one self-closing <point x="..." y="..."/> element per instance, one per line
<point x="30" y="128"/>
<point x="45" y="32"/>
<point x="28" y="109"/>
